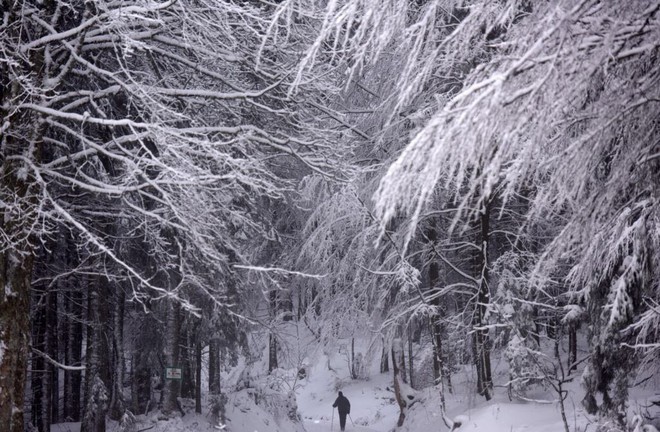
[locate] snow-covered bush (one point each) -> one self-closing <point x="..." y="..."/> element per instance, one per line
<point x="127" y="422"/>
<point x="523" y="365"/>
<point x="513" y="309"/>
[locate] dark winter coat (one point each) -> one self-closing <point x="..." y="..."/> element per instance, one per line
<point x="342" y="404"/>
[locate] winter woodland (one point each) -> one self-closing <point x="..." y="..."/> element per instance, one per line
<point x="446" y="208"/>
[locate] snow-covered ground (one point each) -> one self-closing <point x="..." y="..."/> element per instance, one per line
<point x="264" y="406"/>
<point x="372" y="402"/>
<point x="373" y="407"/>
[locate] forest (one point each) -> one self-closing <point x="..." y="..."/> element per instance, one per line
<point x="464" y="194"/>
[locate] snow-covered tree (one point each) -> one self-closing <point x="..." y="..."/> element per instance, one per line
<point x="552" y="101"/>
<point x="564" y="102"/>
<point x="154" y="113"/>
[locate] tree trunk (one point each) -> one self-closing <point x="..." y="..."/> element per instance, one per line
<point x="353" y="371"/>
<point x="410" y="358"/>
<point x="171" y="387"/>
<point x="384" y="360"/>
<point x="402" y="362"/>
<point x="198" y="376"/>
<point x="399" y="398"/>
<point x="44" y="375"/>
<point x="64" y="335"/>
<point x="214" y="366"/>
<point x="53" y="352"/>
<point x="187" y="356"/>
<point x="16" y="260"/>
<point x="572" y="348"/>
<point x="536" y="334"/>
<point x="397" y="367"/>
<point x="302" y="306"/>
<point x="17" y="221"/>
<point x="437" y="328"/>
<point x="286" y="305"/>
<point x="217" y="408"/>
<point x="480" y="338"/>
<point x="272" y="340"/>
<point x="141" y="385"/>
<point x="105" y="326"/>
<point x="38" y="369"/>
<point x="440" y="368"/>
<point x="73" y="356"/>
<point x="272" y="352"/>
<point x="73" y="334"/>
<point x="117" y="403"/>
<point x="96" y="395"/>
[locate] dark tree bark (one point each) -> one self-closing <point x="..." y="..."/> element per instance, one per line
<point x="141" y="384"/>
<point x="38" y="369"/>
<point x="572" y="348"/>
<point x="398" y="366"/>
<point x="272" y="340"/>
<point x="314" y="300"/>
<point x="73" y="355"/>
<point x="302" y="305"/>
<point x="384" y="360"/>
<point x="105" y="331"/>
<point x="187" y="352"/>
<point x="198" y="377"/>
<point x="480" y="337"/>
<point x="214" y="366"/>
<point x="536" y="333"/>
<point x="117" y="403"/>
<point x="44" y="375"/>
<point x="401" y="363"/>
<point x="272" y="352"/>
<point x="15" y="275"/>
<point x="286" y="305"/>
<point x="440" y="369"/>
<point x="410" y="358"/>
<point x="171" y="387"/>
<point x="17" y="221"/>
<point x="96" y="389"/>
<point x="353" y="371"/>
<point x="215" y="391"/>
<point x="54" y="353"/>
<point x="15" y="272"/>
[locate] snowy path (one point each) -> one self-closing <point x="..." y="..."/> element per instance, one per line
<point x="324" y="426"/>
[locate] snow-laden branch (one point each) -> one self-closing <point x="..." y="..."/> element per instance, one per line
<point x="122" y="11"/>
<point x="278" y="270"/>
<point x="57" y="364"/>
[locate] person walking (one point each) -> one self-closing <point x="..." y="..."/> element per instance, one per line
<point x="344" y="407"/>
